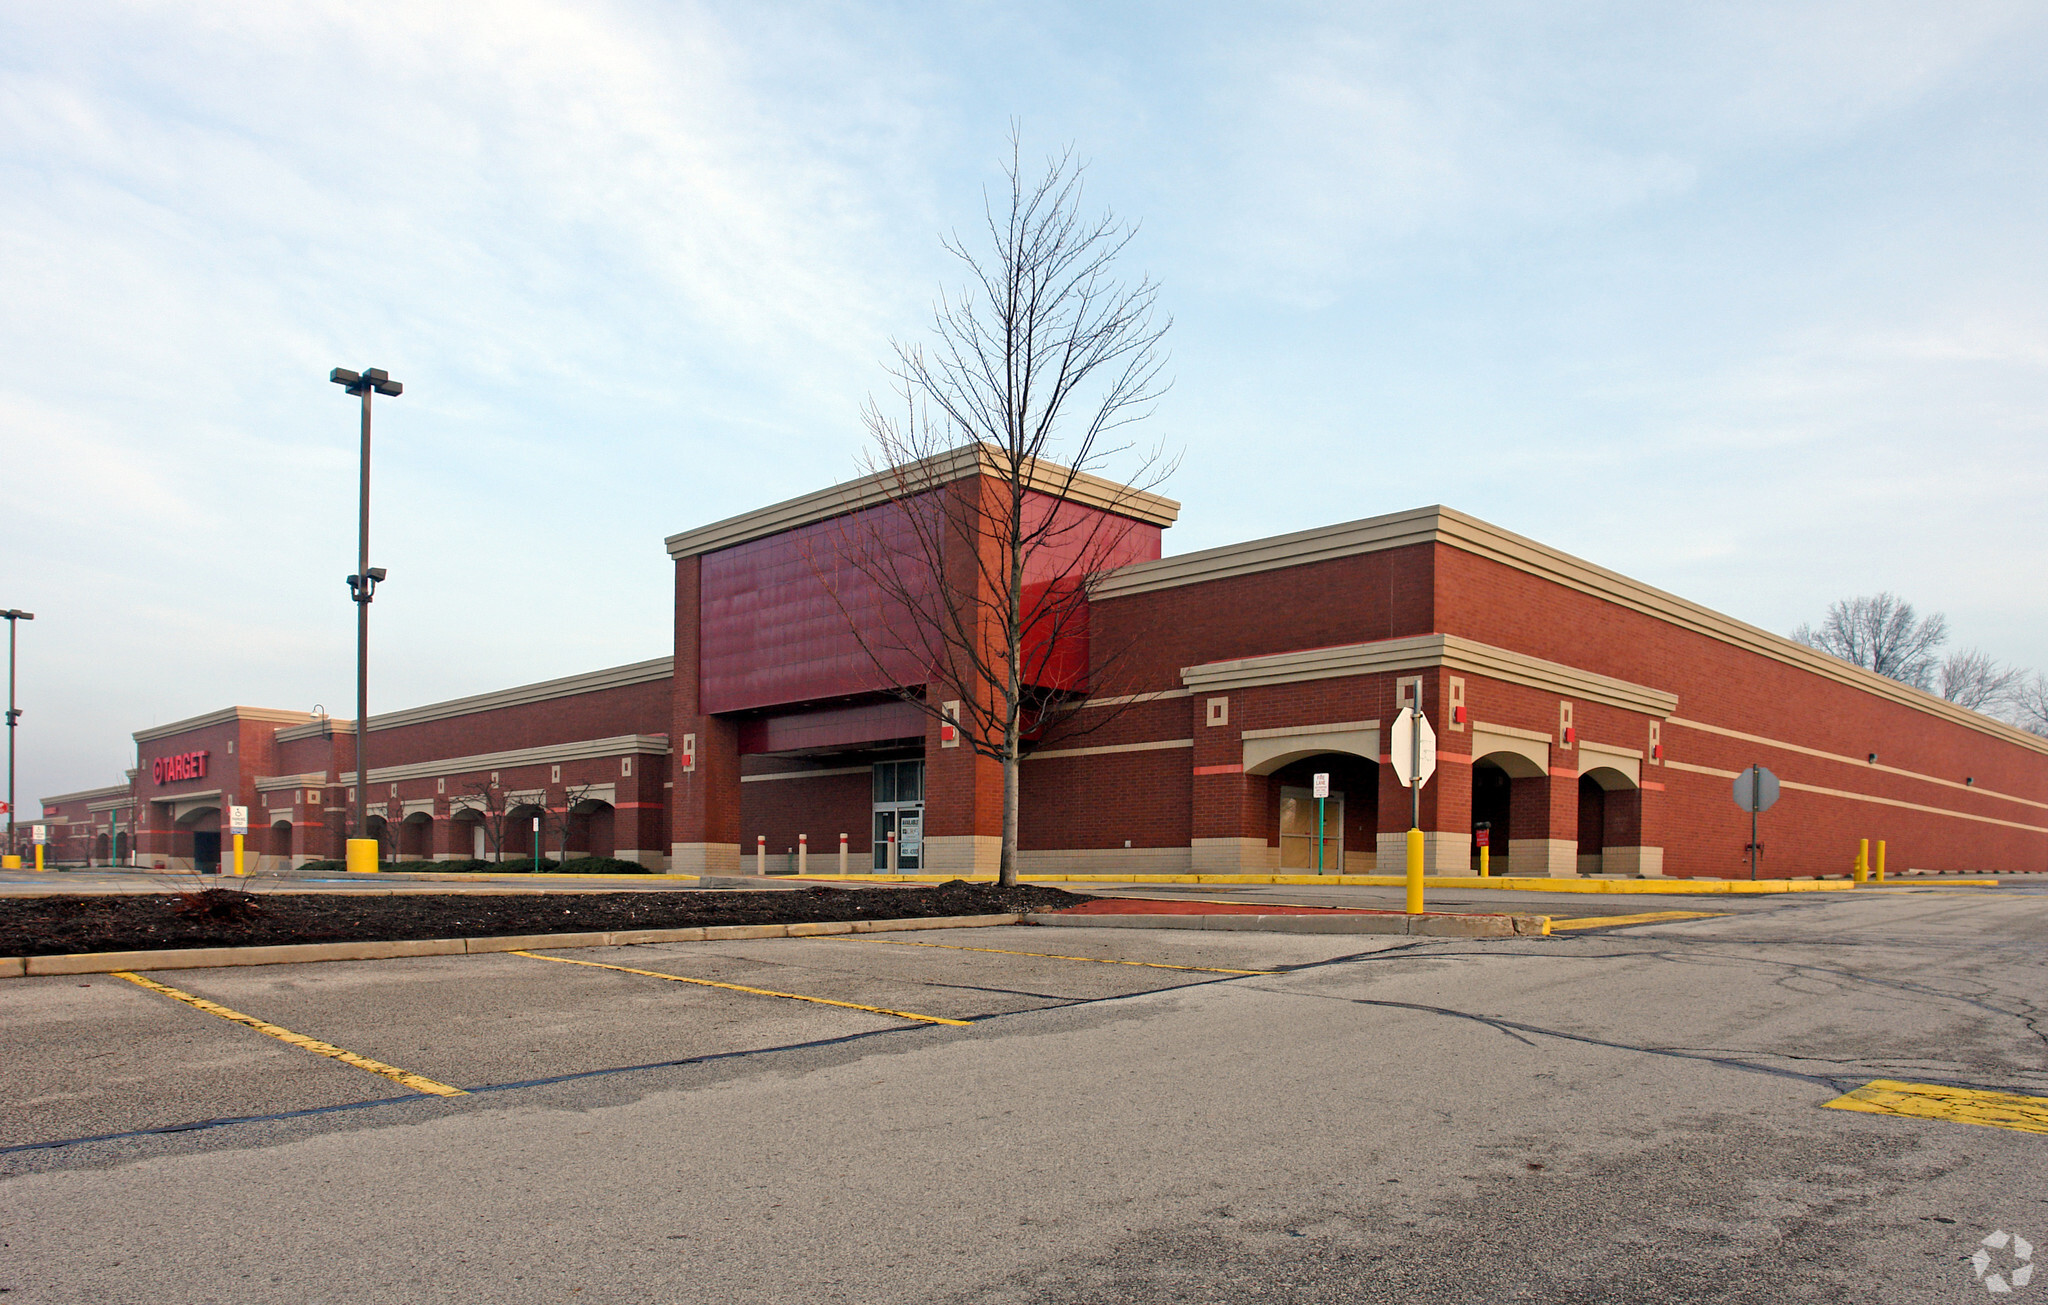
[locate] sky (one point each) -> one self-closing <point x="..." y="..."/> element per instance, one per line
<point x="1747" y="301"/>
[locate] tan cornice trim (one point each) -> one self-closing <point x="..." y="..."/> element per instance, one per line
<point x="318" y="727"/>
<point x="1512" y="732"/>
<point x="273" y="783"/>
<point x="1861" y="763"/>
<point x="569" y="686"/>
<point x="110" y="804"/>
<point x="623" y="745"/>
<point x="1301" y="548"/>
<point x="1482" y="539"/>
<point x="1108" y="749"/>
<point x="1291" y="731"/>
<point x="1157" y="695"/>
<point x="921" y="477"/>
<point x="87" y="795"/>
<point x="1469" y="534"/>
<point x="1607" y="749"/>
<point x="1423" y="652"/>
<point x="221" y="717"/>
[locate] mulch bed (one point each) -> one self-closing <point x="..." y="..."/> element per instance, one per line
<point x="47" y="926"/>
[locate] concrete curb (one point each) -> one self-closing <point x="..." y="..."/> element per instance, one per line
<point x="1414" y="926"/>
<point x="207" y="958"/>
<point x="1681" y="887"/>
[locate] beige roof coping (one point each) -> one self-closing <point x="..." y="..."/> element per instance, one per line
<point x="1442" y="525"/>
<point x="943" y="469"/>
<point x="88" y="795"/>
<point x="222" y="717"/>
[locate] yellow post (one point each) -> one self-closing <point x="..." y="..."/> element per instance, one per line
<point x="1862" y="875"/>
<point x="39" y="858"/>
<point x="362" y="856"/>
<point x="238" y="854"/>
<point x="1415" y="872"/>
<point x="1483" y="872"/>
<point x="1880" y="860"/>
<point x="9" y="861"/>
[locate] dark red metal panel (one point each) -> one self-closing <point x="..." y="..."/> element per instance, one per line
<point x="833" y="727"/>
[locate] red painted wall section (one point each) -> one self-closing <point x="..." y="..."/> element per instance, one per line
<point x="778" y="614"/>
<point x="1077" y="542"/>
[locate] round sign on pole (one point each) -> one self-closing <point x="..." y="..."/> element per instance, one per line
<point x="1756" y="789"/>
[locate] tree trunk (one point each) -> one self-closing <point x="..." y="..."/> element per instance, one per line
<point x="1006" y="872"/>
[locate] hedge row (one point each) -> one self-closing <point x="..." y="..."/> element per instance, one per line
<point x="582" y="865"/>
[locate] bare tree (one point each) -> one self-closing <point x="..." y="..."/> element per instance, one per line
<point x="1970" y="678"/>
<point x="556" y="821"/>
<point x="2028" y="704"/>
<point x="1881" y="633"/>
<point x="1036" y="370"/>
<point x="489" y="801"/>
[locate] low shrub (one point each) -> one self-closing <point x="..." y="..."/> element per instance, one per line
<point x="602" y="865"/>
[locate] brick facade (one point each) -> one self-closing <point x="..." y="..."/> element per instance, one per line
<point x="1594" y="724"/>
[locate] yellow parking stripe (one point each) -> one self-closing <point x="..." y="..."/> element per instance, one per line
<point x="1050" y="956"/>
<point x="1616" y="921"/>
<point x="299" y="1040"/>
<point x="739" y="987"/>
<point x="1934" y="1101"/>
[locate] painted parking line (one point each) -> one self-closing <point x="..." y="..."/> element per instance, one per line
<point x="1938" y="1101"/>
<point x="1616" y="921"/>
<point x="740" y="987"/>
<point x="405" y="1078"/>
<point x="1049" y="956"/>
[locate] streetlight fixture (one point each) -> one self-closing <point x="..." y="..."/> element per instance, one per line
<point x="362" y="587"/>
<point x="14" y="616"/>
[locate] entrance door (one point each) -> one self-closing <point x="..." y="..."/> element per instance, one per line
<point x="206" y="851"/>
<point x="899" y="810"/>
<point x="1298" y="831"/>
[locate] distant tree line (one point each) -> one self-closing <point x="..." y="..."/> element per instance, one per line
<point x="1883" y="633"/>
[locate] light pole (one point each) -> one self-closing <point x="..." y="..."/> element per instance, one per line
<point x="14" y="615"/>
<point x="362" y="587"/>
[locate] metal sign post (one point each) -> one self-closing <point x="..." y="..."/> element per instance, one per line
<point x="41" y="835"/>
<point x="1322" y="792"/>
<point x="238" y="825"/>
<point x="1412" y="750"/>
<point x="1755" y="790"/>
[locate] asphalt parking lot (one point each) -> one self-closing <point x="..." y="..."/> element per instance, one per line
<point x="1632" y="1112"/>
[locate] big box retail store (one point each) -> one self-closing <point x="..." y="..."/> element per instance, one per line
<point x="1589" y="723"/>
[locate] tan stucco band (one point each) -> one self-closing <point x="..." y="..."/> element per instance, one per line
<point x="1858" y="762"/>
<point x="1423" y="652"/>
<point x="920" y="477"/>
<point x="622" y="745"/>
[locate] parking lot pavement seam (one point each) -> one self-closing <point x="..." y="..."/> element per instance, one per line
<point x="1987" y="1109"/>
<point x="740" y="987"/>
<point x="1051" y="956"/>
<point x="405" y="1078"/>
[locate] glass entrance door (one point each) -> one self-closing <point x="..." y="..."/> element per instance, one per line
<point x="899" y="810"/>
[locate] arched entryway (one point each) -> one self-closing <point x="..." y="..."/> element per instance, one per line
<point x="1496" y="777"/>
<point x="1610" y="820"/>
<point x="195" y="840"/>
<point x="102" y="850"/>
<point x="1342" y="829"/>
<point x="416" y="837"/>
<point x="590" y="829"/>
<point x="277" y="849"/>
<point x="467" y="838"/>
<point x="519" y="831"/>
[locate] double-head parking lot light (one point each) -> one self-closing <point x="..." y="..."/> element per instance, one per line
<point x="362" y="588"/>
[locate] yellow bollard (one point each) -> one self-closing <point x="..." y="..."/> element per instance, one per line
<point x="1880" y="860"/>
<point x="238" y="855"/>
<point x="39" y="858"/>
<point x="1415" y="872"/>
<point x="362" y="856"/>
<point x="1483" y="872"/>
<point x="1862" y="875"/>
<point x="9" y="861"/>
